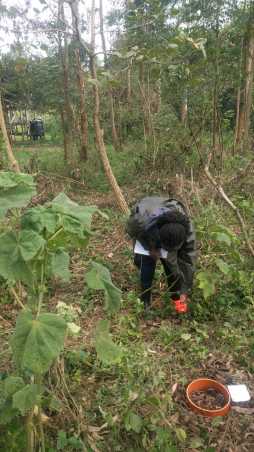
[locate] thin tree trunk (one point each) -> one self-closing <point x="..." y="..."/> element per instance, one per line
<point x="121" y="202"/>
<point x="215" y="116"/>
<point x="184" y="109"/>
<point x="158" y="95"/>
<point x="238" y="102"/>
<point x="115" y="138"/>
<point x="144" y="100"/>
<point x="80" y="81"/>
<point x="63" y="119"/>
<point x="245" y="104"/>
<point x="82" y="104"/>
<point x="216" y="127"/>
<point x="68" y="114"/>
<point x="249" y="79"/>
<point x="12" y="160"/>
<point x="129" y="86"/>
<point x="7" y="123"/>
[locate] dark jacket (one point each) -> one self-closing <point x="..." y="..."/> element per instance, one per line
<point x="146" y="217"/>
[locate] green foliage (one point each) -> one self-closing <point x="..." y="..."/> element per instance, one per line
<point x="13" y="267"/>
<point x="133" y="422"/>
<point x="64" y="441"/>
<point x="99" y="278"/>
<point x="16" y="190"/>
<point x="60" y="265"/>
<point x="8" y="388"/>
<point x="25" y="399"/>
<point x="206" y="283"/>
<point x="35" y="250"/>
<point x="107" y="351"/>
<point x="37" y="342"/>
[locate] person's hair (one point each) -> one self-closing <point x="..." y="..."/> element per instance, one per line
<point x="174" y="231"/>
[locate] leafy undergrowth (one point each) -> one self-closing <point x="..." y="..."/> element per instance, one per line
<point x="139" y="404"/>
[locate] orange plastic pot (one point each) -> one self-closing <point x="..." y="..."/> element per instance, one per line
<point x="202" y="384"/>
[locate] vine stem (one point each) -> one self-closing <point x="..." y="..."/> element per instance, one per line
<point x="30" y="432"/>
<point x="41" y="430"/>
<point x="41" y="290"/>
<point x="17" y="299"/>
<point x="55" y="234"/>
<point x="42" y="436"/>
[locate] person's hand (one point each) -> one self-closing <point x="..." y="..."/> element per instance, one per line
<point x="154" y="253"/>
<point x="184" y="297"/>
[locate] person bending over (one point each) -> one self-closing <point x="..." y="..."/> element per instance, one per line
<point x="162" y="230"/>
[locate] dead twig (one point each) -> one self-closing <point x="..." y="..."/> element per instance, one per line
<point x="230" y="203"/>
<point x="224" y="434"/>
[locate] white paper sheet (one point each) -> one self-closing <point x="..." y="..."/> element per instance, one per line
<point x="239" y="393"/>
<point x="139" y="249"/>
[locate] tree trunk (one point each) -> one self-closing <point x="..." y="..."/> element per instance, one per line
<point x="184" y="109"/>
<point x="249" y="79"/>
<point x="121" y="202"/>
<point x="245" y="102"/>
<point x="158" y="95"/>
<point x="115" y="138"/>
<point x="82" y="105"/>
<point x="147" y="131"/>
<point x="14" y="166"/>
<point x="238" y="101"/>
<point x="63" y="119"/>
<point x="64" y="58"/>
<point x="129" y="86"/>
<point x="80" y="81"/>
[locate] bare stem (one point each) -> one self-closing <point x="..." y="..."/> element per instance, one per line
<point x="230" y="203"/>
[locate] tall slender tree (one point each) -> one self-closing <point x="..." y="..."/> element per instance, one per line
<point x="74" y="5"/>
<point x="66" y="112"/>
<point x="115" y="139"/>
<point x="13" y="163"/>
<point x="120" y="200"/>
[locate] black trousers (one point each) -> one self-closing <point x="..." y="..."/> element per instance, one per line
<point x="147" y="265"/>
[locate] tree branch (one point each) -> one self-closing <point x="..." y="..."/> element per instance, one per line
<point x="230" y="203"/>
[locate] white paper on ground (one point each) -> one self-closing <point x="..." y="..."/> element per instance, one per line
<point x="139" y="249"/>
<point x="239" y="393"/>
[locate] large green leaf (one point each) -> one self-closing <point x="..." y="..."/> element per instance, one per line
<point x="12" y="385"/>
<point x="26" y="398"/>
<point x="17" y="249"/>
<point x="29" y="244"/>
<point x="74" y="226"/>
<point x="12" y="264"/>
<point x="36" y="343"/>
<point x="108" y="352"/>
<point x="16" y="190"/>
<point x="7" y="412"/>
<point x="8" y="387"/>
<point x="63" y="204"/>
<point x="40" y="218"/>
<point x="68" y="240"/>
<point x="60" y="262"/>
<point x="99" y="278"/>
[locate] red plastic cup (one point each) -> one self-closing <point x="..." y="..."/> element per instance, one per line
<point x="181" y="305"/>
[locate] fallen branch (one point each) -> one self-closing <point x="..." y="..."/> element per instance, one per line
<point x="230" y="203"/>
